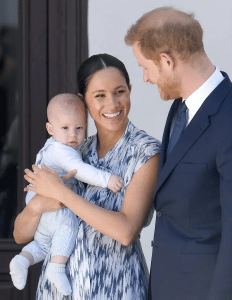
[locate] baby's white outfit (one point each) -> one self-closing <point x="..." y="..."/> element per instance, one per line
<point x="57" y="230"/>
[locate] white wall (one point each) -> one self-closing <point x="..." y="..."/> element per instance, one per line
<point x="108" y="22"/>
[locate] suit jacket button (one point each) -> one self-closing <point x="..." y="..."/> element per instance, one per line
<point x="159" y="213"/>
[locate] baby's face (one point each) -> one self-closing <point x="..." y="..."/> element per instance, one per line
<point x="69" y="129"/>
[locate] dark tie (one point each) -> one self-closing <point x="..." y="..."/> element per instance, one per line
<point x="179" y="127"/>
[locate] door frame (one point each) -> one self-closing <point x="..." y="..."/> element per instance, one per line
<point x="54" y="42"/>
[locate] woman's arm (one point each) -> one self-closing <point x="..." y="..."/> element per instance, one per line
<point x="25" y="225"/>
<point x="122" y="226"/>
<point x="28" y="220"/>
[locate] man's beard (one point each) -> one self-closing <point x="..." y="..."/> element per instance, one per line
<point x="169" y="88"/>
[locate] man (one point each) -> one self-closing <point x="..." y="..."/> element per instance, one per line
<point x="192" y="247"/>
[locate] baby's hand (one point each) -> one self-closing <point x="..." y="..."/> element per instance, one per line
<point x="115" y="183"/>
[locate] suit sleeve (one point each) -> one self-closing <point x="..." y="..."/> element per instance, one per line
<point x="69" y="159"/>
<point x="221" y="284"/>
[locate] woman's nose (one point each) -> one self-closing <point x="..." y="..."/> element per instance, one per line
<point x="112" y="100"/>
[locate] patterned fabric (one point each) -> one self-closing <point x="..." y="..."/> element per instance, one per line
<point x="101" y="268"/>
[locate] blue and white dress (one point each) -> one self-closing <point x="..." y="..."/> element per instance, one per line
<point x="101" y="268"/>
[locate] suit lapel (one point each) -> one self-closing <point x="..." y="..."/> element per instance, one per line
<point x="194" y="130"/>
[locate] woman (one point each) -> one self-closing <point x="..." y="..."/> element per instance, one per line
<point x="107" y="261"/>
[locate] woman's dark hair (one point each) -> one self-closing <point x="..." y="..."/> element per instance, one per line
<point x="94" y="64"/>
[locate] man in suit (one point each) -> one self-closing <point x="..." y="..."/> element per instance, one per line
<point x="192" y="247"/>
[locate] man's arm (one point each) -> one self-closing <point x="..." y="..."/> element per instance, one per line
<point x="221" y="283"/>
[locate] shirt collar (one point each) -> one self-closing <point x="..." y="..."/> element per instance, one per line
<point x="195" y="100"/>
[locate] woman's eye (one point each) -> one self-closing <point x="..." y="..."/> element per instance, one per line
<point x="65" y="127"/>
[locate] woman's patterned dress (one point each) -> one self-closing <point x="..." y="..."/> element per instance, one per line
<point x="101" y="268"/>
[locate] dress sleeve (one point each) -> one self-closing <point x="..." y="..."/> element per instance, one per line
<point x="69" y="159"/>
<point x="145" y="150"/>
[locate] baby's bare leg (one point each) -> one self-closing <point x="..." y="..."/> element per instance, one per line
<point x="29" y="256"/>
<point x="59" y="259"/>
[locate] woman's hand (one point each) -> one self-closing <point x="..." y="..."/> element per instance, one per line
<point x="46" y="181"/>
<point x="125" y="225"/>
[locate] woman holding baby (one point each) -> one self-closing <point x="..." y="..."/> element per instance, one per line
<point x="107" y="261"/>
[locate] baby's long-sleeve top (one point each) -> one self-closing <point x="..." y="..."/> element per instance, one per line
<point x="63" y="159"/>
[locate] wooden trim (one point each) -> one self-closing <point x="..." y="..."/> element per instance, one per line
<point x="82" y="32"/>
<point x="10" y="245"/>
<point x="82" y="49"/>
<point x="33" y="83"/>
<point x="24" y="98"/>
<point x="57" y="47"/>
<point x="38" y="76"/>
<point x="68" y="45"/>
<point x="71" y="46"/>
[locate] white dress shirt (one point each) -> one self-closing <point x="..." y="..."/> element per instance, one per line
<point x="196" y="99"/>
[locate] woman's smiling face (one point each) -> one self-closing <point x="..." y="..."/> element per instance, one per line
<point x="108" y="100"/>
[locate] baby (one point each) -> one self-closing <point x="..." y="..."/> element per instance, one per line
<point x="57" y="231"/>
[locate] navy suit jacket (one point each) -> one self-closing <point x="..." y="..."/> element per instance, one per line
<point x="192" y="247"/>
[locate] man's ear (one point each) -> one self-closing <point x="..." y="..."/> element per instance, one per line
<point x="49" y="128"/>
<point x="168" y="61"/>
<point x="130" y="87"/>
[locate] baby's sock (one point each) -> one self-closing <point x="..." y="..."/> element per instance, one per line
<point x="56" y="273"/>
<point x="18" y="270"/>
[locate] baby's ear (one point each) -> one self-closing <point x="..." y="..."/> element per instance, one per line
<point x="81" y="96"/>
<point x="49" y="128"/>
<point x="82" y="99"/>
